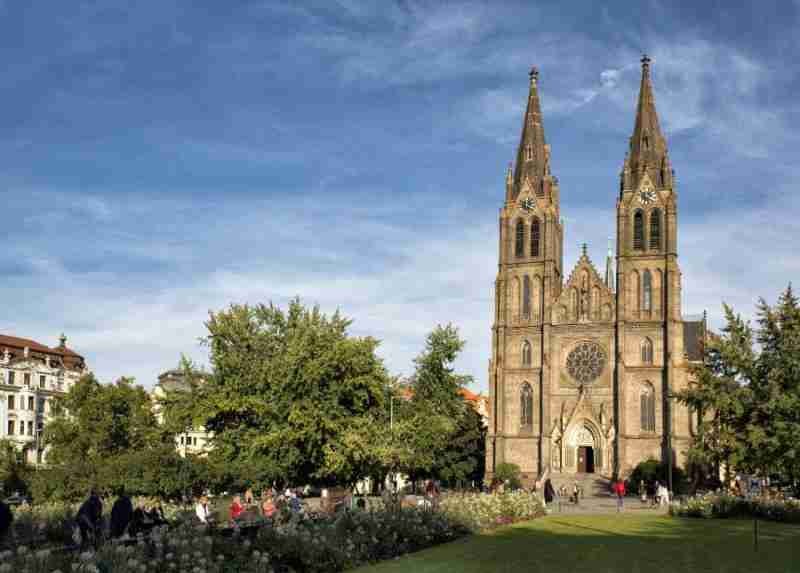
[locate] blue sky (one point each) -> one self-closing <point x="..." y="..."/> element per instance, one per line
<point x="162" y="159"/>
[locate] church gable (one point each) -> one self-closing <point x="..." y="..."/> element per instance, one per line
<point x="585" y="296"/>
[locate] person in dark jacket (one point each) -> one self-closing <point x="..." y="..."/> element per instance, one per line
<point x="89" y="519"/>
<point x="549" y="492"/>
<point x="6" y="519"/>
<point x="121" y="515"/>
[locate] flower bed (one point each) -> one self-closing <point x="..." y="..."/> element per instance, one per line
<point x="293" y="543"/>
<point x="723" y="506"/>
<point x="483" y="511"/>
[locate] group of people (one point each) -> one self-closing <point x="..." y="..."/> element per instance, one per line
<point x="247" y="505"/>
<point x="125" y="520"/>
<point x="655" y="493"/>
<point x="550" y="494"/>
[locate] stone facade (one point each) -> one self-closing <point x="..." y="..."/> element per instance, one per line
<point x="32" y="375"/>
<point x="579" y="376"/>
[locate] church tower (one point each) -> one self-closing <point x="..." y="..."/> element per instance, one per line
<point x="529" y="277"/>
<point x="649" y="285"/>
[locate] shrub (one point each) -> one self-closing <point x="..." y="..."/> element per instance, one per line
<point x="510" y="474"/>
<point x="727" y="506"/>
<point x="653" y="470"/>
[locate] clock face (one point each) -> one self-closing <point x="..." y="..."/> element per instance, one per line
<point x="528" y="203"/>
<point x="647" y="196"/>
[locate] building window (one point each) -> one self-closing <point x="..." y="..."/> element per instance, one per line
<point x="535" y="237"/>
<point x="647" y="406"/>
<point x="11" y="402"/>
<point x="11" y="427"/>
<point x="11" y="376"/>
<point x="519" y="243"/>
<point x="528" y="152"/>
<point x="42" y="381"/>
<point x="655" y="229"/>
<point x="638" y="231"/>
<point x="647" y="351"/>
<point x="30" y="428"/>
<point x="526" y="406"/>
<point x="526" y="297"/>
<point x="30" y="403"/>
<point x="526" y="353"/>
<point x="647" y="291"/>
<point x="26" y="378"/>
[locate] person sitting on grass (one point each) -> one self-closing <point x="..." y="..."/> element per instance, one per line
<point x="121" y="515"/>
<point x="6" y="519"/>
<point x="268" y="507"/>
<point x="236" y="509"/>
<point x="202" y="511"/>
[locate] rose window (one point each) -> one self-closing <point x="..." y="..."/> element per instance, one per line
<point x="586" y="362"/>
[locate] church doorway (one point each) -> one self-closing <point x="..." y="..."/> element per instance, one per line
<point x="586" y="460"/>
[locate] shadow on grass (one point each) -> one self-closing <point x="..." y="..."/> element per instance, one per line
<point x="611" y="543"/>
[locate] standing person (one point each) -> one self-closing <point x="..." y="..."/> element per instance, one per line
<point x="642" y="492"/>
<point x="576" y="490"/>
<point x="89" y="518"/>
<point x="619" y="489"/>
<point x="121" y="515"/>
<point x="663" y="495"/>
<point x="549" y="492"/>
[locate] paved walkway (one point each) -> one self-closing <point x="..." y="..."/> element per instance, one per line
<point x="603" y="504"/>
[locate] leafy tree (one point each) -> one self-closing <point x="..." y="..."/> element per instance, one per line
<point x="292" y="398"/>
<point x="719" y="397"/>
<point x="106" y="436"/>
<point x="748" y="393"/>
<point x="773" y="429"/>
<point x="438" y="434"/>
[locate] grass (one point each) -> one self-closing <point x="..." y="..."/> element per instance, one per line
<point x="613" y="544"/>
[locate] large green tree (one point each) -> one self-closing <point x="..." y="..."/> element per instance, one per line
<point x="747" y="393"/>
<point x="436" y="433"/>
<point x="293" y="398"/>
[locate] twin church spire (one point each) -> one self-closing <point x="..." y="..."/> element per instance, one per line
<point x="647" y="153"/>
<point x="532" y="167"/>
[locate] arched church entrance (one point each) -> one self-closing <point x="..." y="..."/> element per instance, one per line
<point x="586" y="443"/>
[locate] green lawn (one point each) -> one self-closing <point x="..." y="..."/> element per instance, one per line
<point x="611" y="543"/>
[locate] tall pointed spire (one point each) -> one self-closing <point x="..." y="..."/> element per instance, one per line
<point x="533" y="155"/>
<point x="648" y="148"/>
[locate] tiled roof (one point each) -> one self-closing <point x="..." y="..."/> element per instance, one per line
<point x="693" y="340"/>
<point x="16" y="343"/>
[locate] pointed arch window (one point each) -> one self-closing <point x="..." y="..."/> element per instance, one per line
<point x="519" y="240"/>
<point x="528" y="152"/>
<point x="526" y="297"/>
<point x="638" y="231"/>
<point x="647" y="351"/>
<point x="647" y="406"/>
<point x="535" y="237"/>
<point x="655" y="229"/>
<point x="526" y="353"/>
<point x="526" y="406"/>
<point x="647" y="291"/>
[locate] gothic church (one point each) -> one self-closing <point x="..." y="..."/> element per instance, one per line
<point x="583" y="364"/>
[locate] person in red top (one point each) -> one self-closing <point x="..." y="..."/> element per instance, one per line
<point x="619" y="489"/>
<point x="236" y="508"/>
